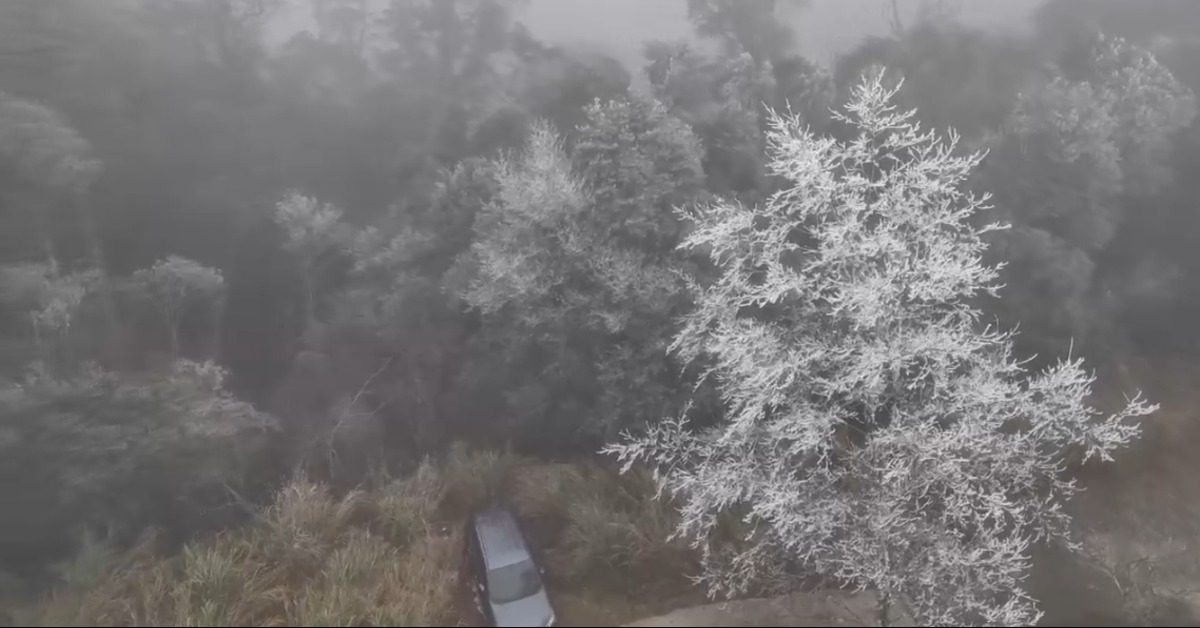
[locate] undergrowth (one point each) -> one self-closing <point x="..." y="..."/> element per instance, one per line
<point x="601" y="527"/>
<point x="388" y="555"/>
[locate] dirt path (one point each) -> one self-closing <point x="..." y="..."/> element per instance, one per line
<point x="834" y="608"/>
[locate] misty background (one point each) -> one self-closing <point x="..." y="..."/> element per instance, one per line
<point x="618" y="28"/>
<point x="282" y="287"/>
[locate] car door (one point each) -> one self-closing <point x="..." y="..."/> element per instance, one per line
<point x="476" y="573"/>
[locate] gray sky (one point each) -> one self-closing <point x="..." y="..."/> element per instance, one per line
<point x="619" y="27"/>
<point x="826" y="28"/>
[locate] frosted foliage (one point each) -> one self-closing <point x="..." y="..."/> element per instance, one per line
<point x="536" y="190"/>
<point x="537" y="256"/>
<point x="875" y="432"/>
<point x="42" y="146"/>
<point x="174" y="281"/>
<point x="1150" y="105"/>
<point x="61" y="299"/>
<point x="1121" y="116"/>
<point x="174" y="284"/>
<point x="310" y="226"/>
<point x="53" y="299"/>
<point x="1080" y="117"/>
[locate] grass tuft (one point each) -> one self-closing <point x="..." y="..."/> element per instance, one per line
<point x="366" y="559"/>
<point x="472" y="479"/>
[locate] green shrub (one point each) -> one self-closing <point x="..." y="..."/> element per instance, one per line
<point x="120" y="453"/>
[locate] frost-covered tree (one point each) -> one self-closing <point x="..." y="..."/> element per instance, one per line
<point x="44" y="162"/>
<point x="876" y="433"/>
<point x="46" y="174"/>
<point x="1147" y="103"/>
<point x="51" y="301"/>
<point x="313" y="232"/>
<point x="572" y="271"/>
<point x="175" y="284"/>
<point x="310" y="226"/>
<point x="1078" y="158"/>
<point x="638" y="162"/>
<point x="955" y="75"/>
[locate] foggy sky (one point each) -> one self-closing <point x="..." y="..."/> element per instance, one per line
<point x="825" y="28"/>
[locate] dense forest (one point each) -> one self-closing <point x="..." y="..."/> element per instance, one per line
<point x="274" y="315"/>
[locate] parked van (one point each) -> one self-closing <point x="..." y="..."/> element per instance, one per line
<point x="502" y="572"/>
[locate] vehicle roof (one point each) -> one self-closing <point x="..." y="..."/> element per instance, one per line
<point x="500" y="539"/>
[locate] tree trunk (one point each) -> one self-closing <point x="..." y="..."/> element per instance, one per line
<point x="216" y="339"/>
<point x="173" y="337"/>
<point x="108" y="304"/>
<point x="310" y="299"/>
<point x="46" y="227"/>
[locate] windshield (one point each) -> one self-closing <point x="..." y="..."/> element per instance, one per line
<point x="513" y="582"/>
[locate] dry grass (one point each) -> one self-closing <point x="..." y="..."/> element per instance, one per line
<point x="136" y="590"/>
<point x="385" y="556"/>
<point x="602" y="528"/>
<point x="365" y="559"/>
<point x="368" y="582"/>
<point x="471" y="479"/>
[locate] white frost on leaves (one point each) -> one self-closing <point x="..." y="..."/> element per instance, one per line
<point x="175" y="281"/>
<point x="53" y="299"/>
<point x="538" y="254"/>
<point x="875" y="432"/>
<point x="1120" y="114"/>
<point x="310" y="227"/>
<point x="537" y="193"/>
